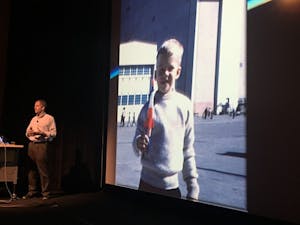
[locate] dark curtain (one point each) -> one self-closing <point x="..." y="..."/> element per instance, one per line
<point x="59" y="51"/>
<point x="4" y="24"/>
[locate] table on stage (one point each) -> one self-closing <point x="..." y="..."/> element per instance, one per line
<point x="9" y="155"/>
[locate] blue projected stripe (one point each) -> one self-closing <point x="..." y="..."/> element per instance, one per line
<point x="254" y="3"/>
<point x="114" y="72"/>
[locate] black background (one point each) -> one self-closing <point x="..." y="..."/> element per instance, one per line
<point x="60" y="51"/>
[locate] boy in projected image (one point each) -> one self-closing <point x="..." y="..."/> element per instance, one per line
<point x="170" y="149"/>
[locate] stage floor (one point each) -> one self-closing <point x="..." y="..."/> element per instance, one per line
<point x="81" y="208"/>
<point x="119" y="206"/>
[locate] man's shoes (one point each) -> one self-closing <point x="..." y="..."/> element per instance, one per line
<point x="29" y="195"/>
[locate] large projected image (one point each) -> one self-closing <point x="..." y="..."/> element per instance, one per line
<point x="212" y="76"/>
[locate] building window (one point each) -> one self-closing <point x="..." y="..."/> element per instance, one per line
<point x="140" y="70"/>
<point x="124" y="99"/>
<point x="131" y="100"/>
<point x="137" y="99"/>
<point x="127" y="71"/>
<point x="133" y="70"/>
<point x="147" y="70"/>
<point x="144" y="99"/>
<point x="119" y="100"/>
<point x="122" y="71"/>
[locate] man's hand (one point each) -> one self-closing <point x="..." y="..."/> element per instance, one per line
<point x="39" y="132"/>
<point x="31" y="132"/>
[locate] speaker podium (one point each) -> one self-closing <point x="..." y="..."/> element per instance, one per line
<point x="9" y="155"/>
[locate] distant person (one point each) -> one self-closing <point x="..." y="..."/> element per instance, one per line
<point x="227" y="106"/>
<point x="170" y="149"/>
<point x="123" y="117"/>
<point x="219" y="110"/>
<point x="133" y="120"/>
<point x="233" y="113"/>
<point x="205" y="113"/>
<point x="128" y="120"/>
<point x="210" y="113"/>
<point x="40" y="132"/>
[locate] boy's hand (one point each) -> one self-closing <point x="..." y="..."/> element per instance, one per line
<point x="142" y="143"/>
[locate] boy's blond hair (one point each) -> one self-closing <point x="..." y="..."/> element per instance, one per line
<point x="172" y="47"/>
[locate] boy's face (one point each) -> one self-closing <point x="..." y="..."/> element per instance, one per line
<point x="167" y="72"/>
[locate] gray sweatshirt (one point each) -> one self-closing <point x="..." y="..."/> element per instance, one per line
<point x="171" y="147"/>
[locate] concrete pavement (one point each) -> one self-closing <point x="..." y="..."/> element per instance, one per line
<point x="220" y="146"/>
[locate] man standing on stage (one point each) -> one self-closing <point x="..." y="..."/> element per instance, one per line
<point x="40" y="131"/>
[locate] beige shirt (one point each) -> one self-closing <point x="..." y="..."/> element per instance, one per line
<point x="44" y="123"/>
